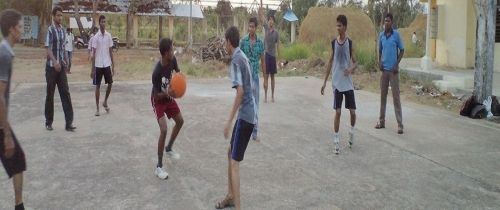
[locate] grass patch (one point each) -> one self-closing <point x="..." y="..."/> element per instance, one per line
<point x="295" y="51"/>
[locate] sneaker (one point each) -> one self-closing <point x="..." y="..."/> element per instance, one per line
<point x="351" y="138"/>
<point x="172" y="154"/>
<point x="49" y="127"/>
<point x="160" y="173"/>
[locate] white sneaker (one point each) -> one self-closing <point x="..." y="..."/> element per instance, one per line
<point x="172" y="154"/>
<point x="160" y="173"/>
<point x="336" y="141"/>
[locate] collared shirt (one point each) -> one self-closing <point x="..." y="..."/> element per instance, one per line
<point x="240" y="74"/>
<point x="101" y="45"/>
<point x="69" y="42"/>
<point x="55" y="41"/>
<point x="6" y="59"/>
<point x="388" y="47"/>
<point x="253" y="53"/>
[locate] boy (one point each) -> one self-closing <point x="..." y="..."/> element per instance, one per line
<point x="11" y="153"/>
<point x="342" y="64"/>
<point x="163" y="103"/>
<point x="103" y="63"/>
<point x="253" y="47"/>
<point x="244" y="104"/>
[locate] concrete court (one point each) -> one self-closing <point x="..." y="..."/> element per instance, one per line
<point x="443" y="161"/>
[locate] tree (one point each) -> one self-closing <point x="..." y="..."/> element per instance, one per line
<point x="301" y="7"/>
<point x="132" y="9"/>
<point x="485" y="34"/>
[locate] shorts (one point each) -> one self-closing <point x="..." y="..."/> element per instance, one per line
<point x="270" y="64"/>
<point x="15" y="164"/>
<point x="242" y="132"/>
<point x="170" y="108"/>
<point x="100" y="72"/>
<point x="338" y="97"/>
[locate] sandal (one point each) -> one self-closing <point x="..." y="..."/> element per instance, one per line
<point x="380" y="125"/>
<point x="400" y="130"/>
<point x="106" y="108"/>
<point x="226" y="202"/>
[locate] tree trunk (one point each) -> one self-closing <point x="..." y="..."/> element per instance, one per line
<point x="129" y="28"/>
<point x="77" y="18"/>
<point x="95" y="17"/>
<point x="485" y="34"/>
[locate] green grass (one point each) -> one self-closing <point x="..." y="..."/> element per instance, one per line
<point x="414" y="51"/>
<point x="295" y="51"/>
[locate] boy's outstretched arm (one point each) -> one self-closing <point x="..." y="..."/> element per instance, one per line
<point x="236" y="106"/>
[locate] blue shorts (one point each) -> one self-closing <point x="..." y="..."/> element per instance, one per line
<point x="242" y="131"/>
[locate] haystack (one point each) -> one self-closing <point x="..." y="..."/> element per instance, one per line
<point x="418" y="25"/>
<point x="320" y="25"/>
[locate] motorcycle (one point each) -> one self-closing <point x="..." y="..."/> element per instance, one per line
<point x="81" y="43"/>
<point x="116" y="42"/>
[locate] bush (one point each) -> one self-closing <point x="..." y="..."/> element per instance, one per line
<point x="366" y="56"/>
<point x="294" y="52"/>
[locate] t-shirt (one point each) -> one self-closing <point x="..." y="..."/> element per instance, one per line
<point x="271" y="39"/>
<point x="388" y="48"/>
<point x="6" y="58"/>
<point x="341" y="61"/>
<point x="241" y="75"/>
<point x="161" y="78"/>
<point x="69" y="42"/>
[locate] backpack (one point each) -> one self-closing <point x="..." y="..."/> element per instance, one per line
<point x="350" y="46"/>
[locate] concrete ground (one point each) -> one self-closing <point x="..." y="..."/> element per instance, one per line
<point x="443" y="161"/>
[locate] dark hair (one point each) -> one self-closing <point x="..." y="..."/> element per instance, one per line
<point x="56" y="9"/>
<point x="95" y="29"/>
<point x="342" y="19"/>
<point x="9" y="18"/>
<point x="253" y="20"/>
<point x="233" y="36"/>
<point x="101" y="17"/>
<point x="389" y="15"/>
<point x="271" y="16"/>
<point x="165" y="45"/>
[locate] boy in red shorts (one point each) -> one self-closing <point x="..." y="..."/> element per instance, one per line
<point x="164" y="104"/>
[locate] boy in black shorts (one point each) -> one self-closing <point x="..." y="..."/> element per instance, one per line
<point x="244" y="105"/>
<point x="342" y="65"/>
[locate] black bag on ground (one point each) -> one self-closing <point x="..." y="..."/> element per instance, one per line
<point x="478" y="112"/>
<point x="495" y="106"/>
<point x="468" y="105"/>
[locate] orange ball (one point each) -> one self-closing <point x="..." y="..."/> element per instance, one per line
<point x="177" y="85"/>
